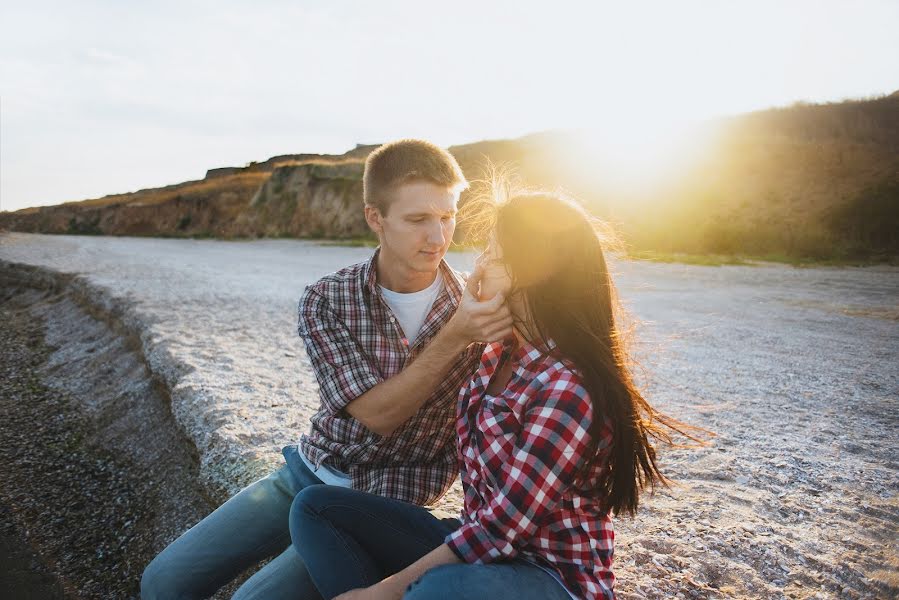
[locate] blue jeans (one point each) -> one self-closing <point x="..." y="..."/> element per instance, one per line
<point x="248" y="528"/>
<point x="350" y="539"/>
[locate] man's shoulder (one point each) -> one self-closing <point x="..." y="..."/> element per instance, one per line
<point x="338" y="285"/>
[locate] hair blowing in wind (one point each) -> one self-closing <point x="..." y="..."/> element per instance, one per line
<point x="554" y="252"/>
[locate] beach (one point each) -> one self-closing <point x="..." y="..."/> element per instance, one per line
<point x="794" y="371"/>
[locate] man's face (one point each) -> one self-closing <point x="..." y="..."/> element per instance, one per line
<point x="419" y="225"/>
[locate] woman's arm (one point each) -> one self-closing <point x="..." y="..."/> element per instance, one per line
<point x="395" y="586"/>
<point x="548" y="452"/>
<point x="543" y="465"/>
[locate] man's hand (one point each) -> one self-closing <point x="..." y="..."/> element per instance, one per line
<point x="476" y="321"/>
<point x="388" y="405"/>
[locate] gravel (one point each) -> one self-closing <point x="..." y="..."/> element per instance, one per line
<point x="97" y="477"/>
<point x="794" y="370"/>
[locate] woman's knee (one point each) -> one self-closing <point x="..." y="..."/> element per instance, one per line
<point x="313" y="500"/>
<point x="306" y="505"/>
<point x="310" y="501"/>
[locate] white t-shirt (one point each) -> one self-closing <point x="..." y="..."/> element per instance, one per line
<point x="412" y="309"/>
<point x="326" y="474"/>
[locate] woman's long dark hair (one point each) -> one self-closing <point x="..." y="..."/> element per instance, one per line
<point x="554" y="252"/>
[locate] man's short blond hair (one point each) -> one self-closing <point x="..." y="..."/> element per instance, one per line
<point x="406" y="161"/>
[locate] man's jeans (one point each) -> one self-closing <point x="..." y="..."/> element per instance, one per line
<point x="351" y="539"/>
<point x="248" y="528"/>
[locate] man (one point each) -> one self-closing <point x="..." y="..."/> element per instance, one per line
<point x="391" y="341"/>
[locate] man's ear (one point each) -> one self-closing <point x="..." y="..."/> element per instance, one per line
<point x="373" y="218"/>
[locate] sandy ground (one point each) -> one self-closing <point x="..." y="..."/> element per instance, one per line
<point x="795" y="370"/>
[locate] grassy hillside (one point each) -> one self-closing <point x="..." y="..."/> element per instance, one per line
<point x="816" y="182"/>
<point x="805" y="181"/>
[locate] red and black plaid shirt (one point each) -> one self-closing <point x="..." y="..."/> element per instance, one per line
<point x="355" y="342"/>
<point x="522" y="454"/>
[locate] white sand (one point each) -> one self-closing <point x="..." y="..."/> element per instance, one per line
<point x="794" y="369"/>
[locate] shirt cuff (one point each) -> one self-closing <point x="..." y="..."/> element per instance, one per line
<point x="473" y="544"/>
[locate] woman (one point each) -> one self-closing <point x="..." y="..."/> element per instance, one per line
<point x="553" y="438"/>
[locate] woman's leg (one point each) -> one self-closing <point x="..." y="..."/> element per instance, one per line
<point x="350" y="539"/>
<point x="516" y="580"/>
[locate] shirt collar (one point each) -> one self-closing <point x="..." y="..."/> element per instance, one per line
<point x="452" y="283"/>
<point x="370" y="272"/>
<point x="528" y="354"/>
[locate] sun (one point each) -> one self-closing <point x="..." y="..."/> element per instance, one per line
<point x="639" y="153"/>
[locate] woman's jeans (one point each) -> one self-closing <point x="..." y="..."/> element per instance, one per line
<point x="350" y="539"/>
<point x="248" y="528"/>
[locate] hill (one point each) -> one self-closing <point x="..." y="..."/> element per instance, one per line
<point x="812" y="181"/>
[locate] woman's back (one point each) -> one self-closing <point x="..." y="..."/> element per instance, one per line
<point x="523" y="452"/>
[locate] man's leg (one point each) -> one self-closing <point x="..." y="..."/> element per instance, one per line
<point x="284" y="577"/>
<point x="350" y="539"/>
<point x="250" y="527"/>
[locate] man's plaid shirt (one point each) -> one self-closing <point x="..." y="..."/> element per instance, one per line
<point x="522" y="453"/>
<point x="354" y="342"/>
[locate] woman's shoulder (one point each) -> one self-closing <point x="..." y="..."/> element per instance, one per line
<point x="549" y="366"/>
<point x="559" y="382"/>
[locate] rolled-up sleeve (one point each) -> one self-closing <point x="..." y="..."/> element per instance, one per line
<point x="341" y="367"/>
<point x="548" y="453"/>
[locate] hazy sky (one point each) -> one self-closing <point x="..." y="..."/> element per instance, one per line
<point x="99" y="97"/>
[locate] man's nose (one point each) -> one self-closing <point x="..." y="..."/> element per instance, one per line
<point x="436" y="234"/>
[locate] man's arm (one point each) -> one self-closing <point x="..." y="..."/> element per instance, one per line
<point x="386" y="406"/>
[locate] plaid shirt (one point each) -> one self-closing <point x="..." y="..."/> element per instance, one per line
<point x="521" y="452"/>
<point x="355" y="342"/>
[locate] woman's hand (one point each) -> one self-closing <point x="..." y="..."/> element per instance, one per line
<point x="379" y="591"/>
<point x="357" y="594"/>
<point x="395" y="586"/>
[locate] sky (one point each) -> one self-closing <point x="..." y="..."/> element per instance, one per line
<point x="101" y="97"/>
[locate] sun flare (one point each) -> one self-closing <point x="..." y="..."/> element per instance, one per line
<point x="636" y="153"/>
